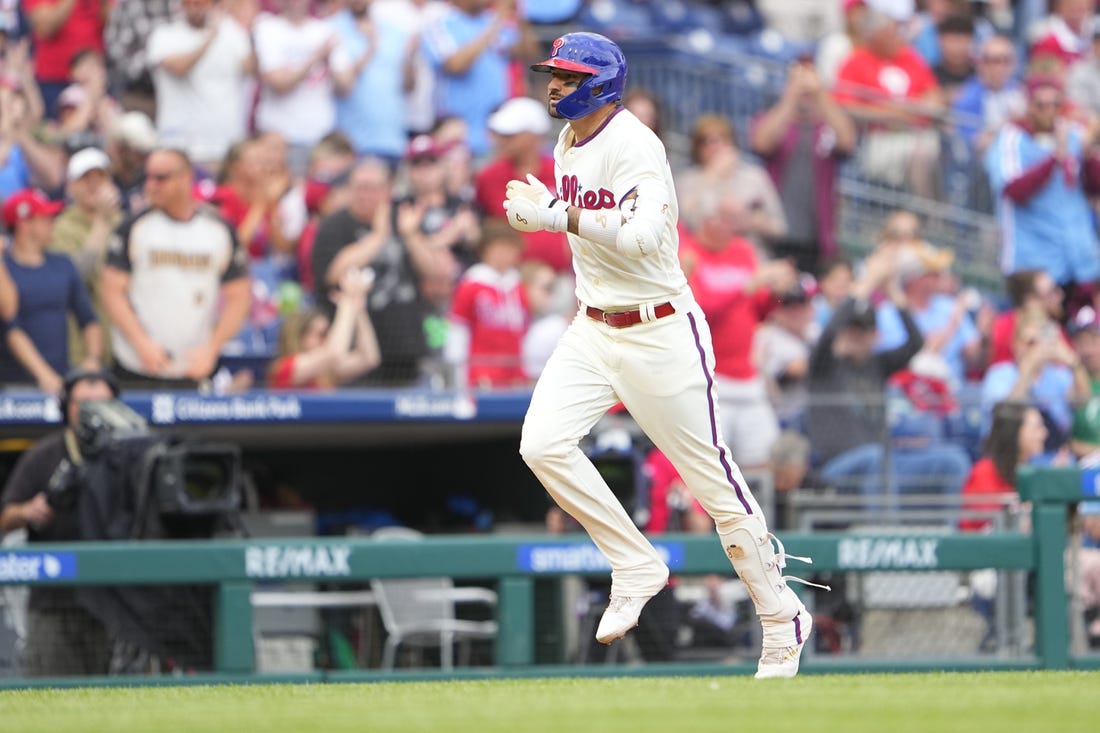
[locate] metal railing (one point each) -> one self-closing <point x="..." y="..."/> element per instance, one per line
<point x="515" y="563"/>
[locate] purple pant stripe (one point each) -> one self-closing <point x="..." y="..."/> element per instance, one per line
<point x="797" y="629"/>
<point x="713" y="420"/>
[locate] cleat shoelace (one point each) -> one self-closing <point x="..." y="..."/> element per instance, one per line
<point x="781" y="562"/>
<point x="617" y="603"/>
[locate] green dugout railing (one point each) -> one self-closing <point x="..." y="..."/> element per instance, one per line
<point x="516" y="562"/>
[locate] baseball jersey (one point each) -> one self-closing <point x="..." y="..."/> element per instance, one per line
<point x="621" y="167"/>
<point x="493" y="306"/>
<point x="176" y="272"/>
<point x="1052" y="230"/>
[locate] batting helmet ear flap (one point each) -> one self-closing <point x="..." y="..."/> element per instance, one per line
<point x="79" y="374"/>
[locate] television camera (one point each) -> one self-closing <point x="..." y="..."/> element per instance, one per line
<point x="166" y="486"/>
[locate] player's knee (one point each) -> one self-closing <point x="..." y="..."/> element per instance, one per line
<point x="538" y="451"/>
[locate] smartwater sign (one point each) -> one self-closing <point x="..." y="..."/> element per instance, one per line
<point x="583" y="558"/>
<point x="24" y="567"/>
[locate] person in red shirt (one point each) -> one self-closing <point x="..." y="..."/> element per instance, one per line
<point x="318" y="353"/>
<point x="518" y="130"/>
<point x="490" y="315"/>
<point x="1067" y="32"/>
<point x="889" y="89"/>
<point x="61" y="29"/>
<point x="672" y="508"/>
<point x="249" y="197"/>
<point x="1016" y="436"/>
<point x="735" y="291"/>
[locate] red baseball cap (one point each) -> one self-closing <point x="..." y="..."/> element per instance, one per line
<point x="424" y="146"/>
<point x="1039" y="80"/>
<point x="849" y="4"/>
<point x="28" y="203"/>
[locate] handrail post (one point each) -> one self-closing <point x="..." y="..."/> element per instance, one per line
<point x="233" y="652"/>
<point x="1051" y="608"/>
<point x="1050" y="491"/>
<point x="515" y="622"/>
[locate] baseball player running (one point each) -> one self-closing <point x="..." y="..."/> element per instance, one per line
<point x="639" y="338"/>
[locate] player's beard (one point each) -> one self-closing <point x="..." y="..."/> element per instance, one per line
<point x="552" y="107"/>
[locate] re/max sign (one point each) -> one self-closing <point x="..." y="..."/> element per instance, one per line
<point x="870" y="553"/>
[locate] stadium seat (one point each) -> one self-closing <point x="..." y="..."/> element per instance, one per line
<point x="619" y="19"/>
<point x="420" y="612"/>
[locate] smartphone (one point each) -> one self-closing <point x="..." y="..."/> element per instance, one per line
<point x="1048" y="332"/>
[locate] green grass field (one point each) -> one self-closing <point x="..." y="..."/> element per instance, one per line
<point x="994" y="702"/>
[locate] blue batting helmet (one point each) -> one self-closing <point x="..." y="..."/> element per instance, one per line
<point x="592" y="54"/>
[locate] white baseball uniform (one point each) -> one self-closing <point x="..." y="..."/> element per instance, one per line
<point x="661" y="368"/>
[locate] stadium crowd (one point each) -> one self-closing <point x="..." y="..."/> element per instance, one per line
<point x="297" y="194"/>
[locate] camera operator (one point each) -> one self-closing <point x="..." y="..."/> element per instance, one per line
<point x="62" y="637"/>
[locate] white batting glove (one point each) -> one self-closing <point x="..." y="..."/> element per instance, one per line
<point x="531" y="207"/>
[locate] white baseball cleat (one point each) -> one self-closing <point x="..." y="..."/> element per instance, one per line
<point x="620" y="617"/>
<point x="782" y="661"/>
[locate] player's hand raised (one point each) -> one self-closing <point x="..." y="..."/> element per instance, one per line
<point x="531" y="207"/>
<point x="533" y="190"/>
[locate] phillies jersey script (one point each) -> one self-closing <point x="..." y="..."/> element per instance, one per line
<point x="620" y="166"/>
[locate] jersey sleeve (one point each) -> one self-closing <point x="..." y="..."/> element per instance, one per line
<point x="342" y="58"/>
<point x="438" y="43"/>
<point x="1002" y="159"/>
<point x="163" y="43"/>
<point x="638" y="171"/>
<point x="238" y="257"/>
<point x="79" y="300"/>
<point x="327" y="243"/>
<point x="638" y="166"/>
<point x="281" y="373"/>
<point x="462" y="304"/>
<point x="118" y="249"/>
<point x="31" y="473"/>
<point x="269" y="50"/>
<point x="922" y="78"/>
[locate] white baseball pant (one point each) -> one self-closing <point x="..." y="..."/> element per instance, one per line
<point x="662" y="371"/>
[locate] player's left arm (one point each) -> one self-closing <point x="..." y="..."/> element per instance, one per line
<point x="635" y="228"/>
<point x="637" y="176"/>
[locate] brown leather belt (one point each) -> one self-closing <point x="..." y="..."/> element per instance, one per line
<point x="622" y="319"/>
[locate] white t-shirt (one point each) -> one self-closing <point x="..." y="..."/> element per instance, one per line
<point x="599" y="172"/>
<point x="204" y="111"/>
<point x="176" y="269"/>
<point x="306" y="113"/>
